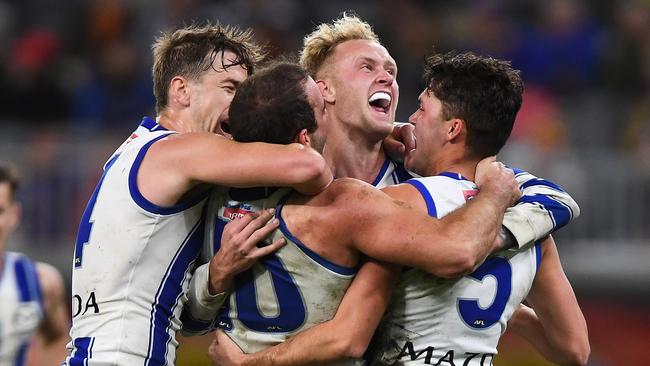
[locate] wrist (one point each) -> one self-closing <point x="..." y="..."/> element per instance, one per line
<point x="219" y="281"/>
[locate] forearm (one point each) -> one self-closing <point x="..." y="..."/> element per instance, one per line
<point x="526" y="324"/>
<point x="346" y="336"/>
<point x="308" y="172"/>
<point x="316" y="346"/>
<point x="564" y="326"/>
<point x="473" y="232"/>
<point x="203" y="305"/>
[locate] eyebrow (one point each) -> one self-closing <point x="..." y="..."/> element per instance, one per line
<point x="235" y="82"/>
<point x="387" y="64"/>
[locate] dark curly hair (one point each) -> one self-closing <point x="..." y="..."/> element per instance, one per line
<point x="484" y="92"/>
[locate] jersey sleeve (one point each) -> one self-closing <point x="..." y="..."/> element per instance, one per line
<point x="201" y="308"/>
<point x="543" y="208"/>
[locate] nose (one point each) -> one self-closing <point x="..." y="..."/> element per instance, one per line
<point x="386" y="77"/>
<point x="412" y="118"/>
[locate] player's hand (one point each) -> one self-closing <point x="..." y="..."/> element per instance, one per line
<point x="400" y="140"/>
<point x="224" y="352"/>
<point x="494" y="177"/>
<point x="239" y="249"/>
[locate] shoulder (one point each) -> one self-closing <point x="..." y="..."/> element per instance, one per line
<point x="50" y="279"/>
<point x="348" y="190"/>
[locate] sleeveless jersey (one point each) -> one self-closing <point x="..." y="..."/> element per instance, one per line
<point x="283" y="293"/>
<point x="132" y="265"/>
<point x="391" y="173"/>
<point x="434" y="321"/>
<point x="21" y="307"/>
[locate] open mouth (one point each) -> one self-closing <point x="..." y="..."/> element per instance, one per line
<point x="380" y="101"/>
<point x="224" y="129"/>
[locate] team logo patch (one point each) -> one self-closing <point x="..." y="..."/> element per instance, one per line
<point x="469" y="194"/>
<point x="231" y="213"/>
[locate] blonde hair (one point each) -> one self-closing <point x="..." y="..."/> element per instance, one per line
<point x="190" y="51"/>
<point x="319" y="44"/>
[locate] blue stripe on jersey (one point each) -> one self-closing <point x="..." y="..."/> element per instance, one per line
<point x="27" y="278"/>
<point x="402" y="174"/>
<point x="541" y="182"/>
<point x="145" y="203"/>
<point x="22" y="352"/>
<point x="518" y="171"/>
<point x="193" y="325"/>
<point x="560" y="214"/>
<point x="538" y="255"/>
<point x="169" y="292"/>
<point x="382" y="171"/>
<point x="346" y="271"/>
<point x="151" y="125"/>
<point x="426" y="195"/>
<point x="83" y="350"/>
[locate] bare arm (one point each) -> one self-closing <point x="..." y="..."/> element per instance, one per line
<point x="55" y="320"/>
<point x="175" y="164"/>
<point x="345" y="336"/>
<point x="390" y="230"/>
<point x="556" y="327"/>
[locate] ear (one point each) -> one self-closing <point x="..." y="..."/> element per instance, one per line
<point x="327" y="90"/>
<point x="179" y="91"/>
<point x="303" y="138"/>
<point x="456" y="128"/>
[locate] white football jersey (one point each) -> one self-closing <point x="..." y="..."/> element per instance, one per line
<point x="21" y="307"/>
<point x="391" y="173"/>
<point x="283" y="293"/>
<point x="132" y="265"/>
<point x="433" y="320"/>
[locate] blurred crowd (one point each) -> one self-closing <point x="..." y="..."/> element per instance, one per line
<point x="76" y="71"/>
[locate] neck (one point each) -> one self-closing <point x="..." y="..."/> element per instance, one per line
<point x="173" y="121"/>
<point x="353" y="155"/>
<point x="464" y="167"/>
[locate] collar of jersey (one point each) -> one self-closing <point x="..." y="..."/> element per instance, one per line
<point x="151" y="124"/>
<point x="451" y="175"/>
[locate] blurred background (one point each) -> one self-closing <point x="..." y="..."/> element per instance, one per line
<point x="76" y="81"/>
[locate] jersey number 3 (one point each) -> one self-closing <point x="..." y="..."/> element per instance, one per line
<point x="471" y="312"/>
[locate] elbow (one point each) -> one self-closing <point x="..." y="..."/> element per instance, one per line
<point x="354" y="348"/>
<point x="578" y="355"/>
<point x="574" y="352"/>
<point x="313" y="173"/>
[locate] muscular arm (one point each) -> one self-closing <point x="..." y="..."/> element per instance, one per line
<point x="556" y="327"/>
<point x="543" y="208"/>
<point x="175" y="164"/>
<point x="345" y="336"/>
<point x="390" y="230"/>
<point x="55" y="320"/>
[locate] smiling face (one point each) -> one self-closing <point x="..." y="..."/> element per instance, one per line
<point x="361" y="76"/>
<point x="212" y="93"/>
<point x="431" y="129"/>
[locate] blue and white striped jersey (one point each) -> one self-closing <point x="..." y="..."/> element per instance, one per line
<point x="132" y="265"/>
<point x="22" y="307"/>
<point x="452" y="321"/>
